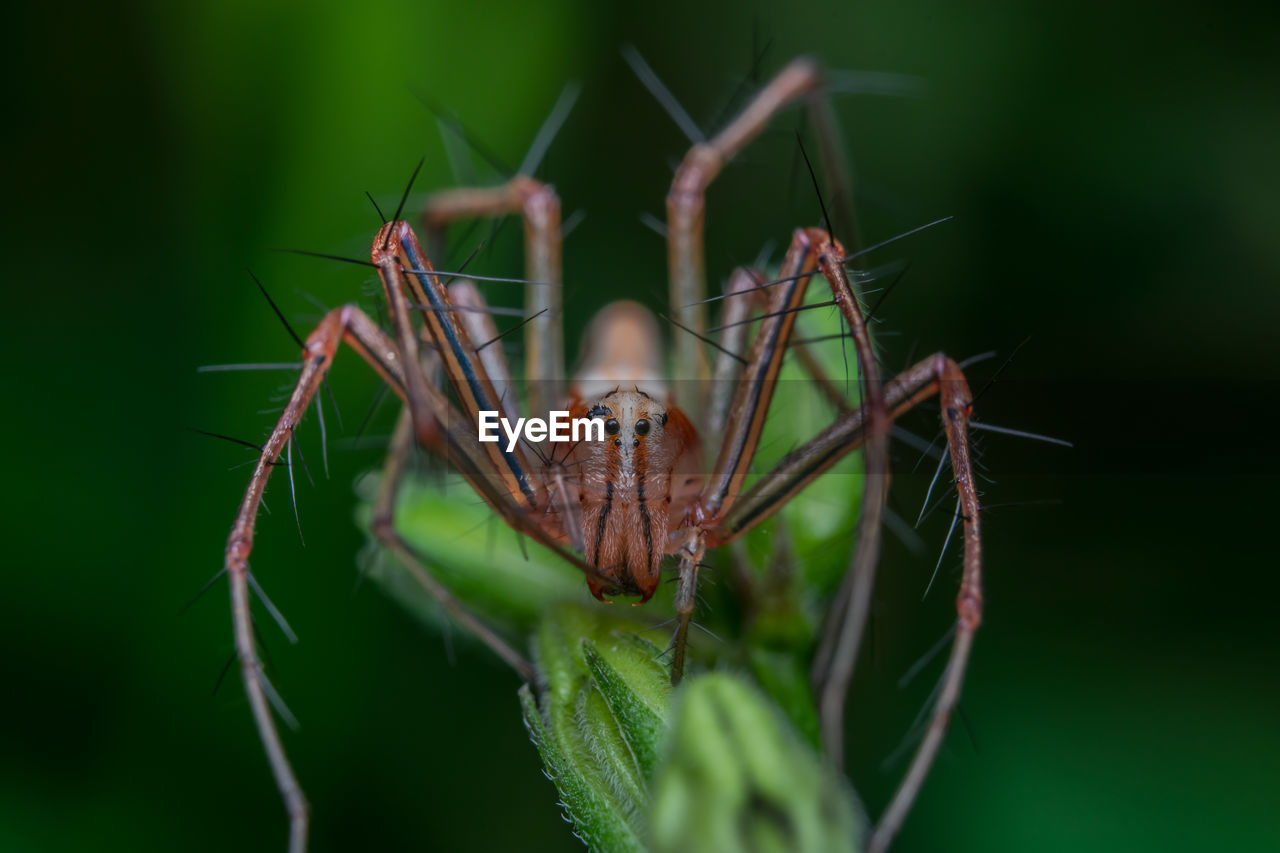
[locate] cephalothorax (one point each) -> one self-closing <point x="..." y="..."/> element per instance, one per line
<point x="669" y="477"/>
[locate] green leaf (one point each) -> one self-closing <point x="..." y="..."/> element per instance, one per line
<point x="594" y="817"/>
<point x="735" y="776"/>
<point x="637" y="696"/>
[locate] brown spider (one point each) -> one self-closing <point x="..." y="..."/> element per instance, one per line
<point x="614" y="508"/>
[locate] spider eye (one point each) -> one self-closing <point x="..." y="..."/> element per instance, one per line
<point x="612" y="426"/>
<point x="642" y="427"/>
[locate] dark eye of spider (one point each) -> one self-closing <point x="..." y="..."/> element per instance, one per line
<point x="612" y="426"/>
<point x="642" y="427"/>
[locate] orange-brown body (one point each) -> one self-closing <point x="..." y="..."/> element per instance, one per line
<point x="634" y="487"/>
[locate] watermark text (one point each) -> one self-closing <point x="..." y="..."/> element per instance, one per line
<point x="560" y="427"/>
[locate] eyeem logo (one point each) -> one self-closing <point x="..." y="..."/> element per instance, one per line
<point x="559" y="428"/>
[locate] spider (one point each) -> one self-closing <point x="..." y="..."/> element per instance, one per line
<point x="615" y="508"/>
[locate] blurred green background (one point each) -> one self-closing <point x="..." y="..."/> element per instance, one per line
<point x="1113" y="173"/>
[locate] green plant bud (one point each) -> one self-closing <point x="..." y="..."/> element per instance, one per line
<point x="736" y="777"/>
<point x="786" y="679"/>
<point x="599" y="721"/>
<point x="585" y="798"/>
<point x="637" y="696"/>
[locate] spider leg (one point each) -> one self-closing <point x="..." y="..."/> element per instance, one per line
<point x="744" y="424"/>
<point x="433" y="421"/>
<point x="723" y="514"/>
<point x="757" y="380"/>
<point x="838" y="649"/>
<point x="738" y="304"/>
<point x="686" y="202"/>
<point x="405" y="271"/>
<point x="849" y="431"/>
<point x="480" y="327"/>
<point x="384" y="528"/>
<point x="939" y="375"/>
<point x="502" y="476"/>
<point x="741" y="435"/>
<point x="745" y="292"/>
<point x="956" y="408"/>
<point x="562" y="496"/>
<point x="539" y="206"/>
<point x="342" y="324"/>
<point x="691" y="553"/>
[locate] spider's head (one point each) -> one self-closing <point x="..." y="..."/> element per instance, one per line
<point x="641" y="441"/>
<point x="630" y="417"/>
